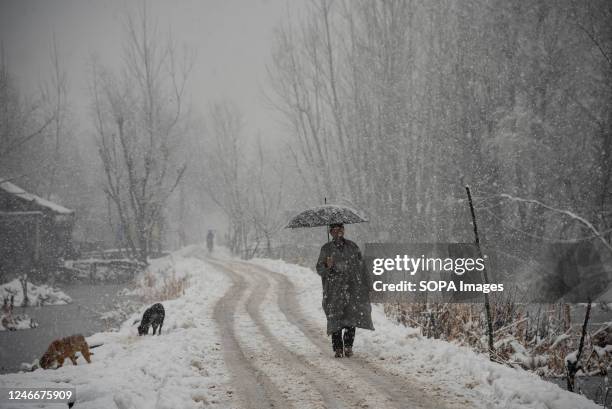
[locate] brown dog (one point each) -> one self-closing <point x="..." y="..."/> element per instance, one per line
<point x="60" y="349"/>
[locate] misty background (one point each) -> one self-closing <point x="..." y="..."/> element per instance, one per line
<point x="158" y="122"/>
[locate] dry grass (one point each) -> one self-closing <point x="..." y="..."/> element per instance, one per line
<point x="169" y="288"/>
<point x="535" y="337"/>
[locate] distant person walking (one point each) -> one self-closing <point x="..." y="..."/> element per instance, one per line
<point x="346" y="299"/>
<point x="210" y="241"/>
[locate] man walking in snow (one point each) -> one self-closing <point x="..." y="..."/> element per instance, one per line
<point x="210" y="239"/>
<point x="346" y="300"/>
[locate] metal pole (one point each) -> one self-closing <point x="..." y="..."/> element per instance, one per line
<point x="326" y="227"/>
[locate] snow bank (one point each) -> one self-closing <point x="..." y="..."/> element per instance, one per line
<point x="185" y="368"/>
<point x="38" y="295"/>
<point x="403" y="350"/>
<point x="9" y="322"/>
<point x="181" y="368"/>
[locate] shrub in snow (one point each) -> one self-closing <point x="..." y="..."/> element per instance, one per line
<point x="11" y="322"/>
<point x="164" y="279"/>
<point x="38" y="295"/>
<point x="533" y="337"/>
<point x="16" y="322"/>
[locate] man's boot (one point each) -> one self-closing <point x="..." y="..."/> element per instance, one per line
<point x="338" y="352"/>
<point x="348" y="338"/>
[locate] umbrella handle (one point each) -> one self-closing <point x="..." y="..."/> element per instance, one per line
<point x="326" y="228"/>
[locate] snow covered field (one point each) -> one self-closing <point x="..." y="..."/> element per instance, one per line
<point x="252" y="334"/>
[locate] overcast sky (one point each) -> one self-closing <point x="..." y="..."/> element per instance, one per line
<point x="232" y="39"/>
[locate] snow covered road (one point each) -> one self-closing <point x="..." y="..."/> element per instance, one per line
<point x="289" y="359"/>
<point x="252" y="335"/>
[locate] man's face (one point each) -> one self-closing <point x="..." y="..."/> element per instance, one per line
<point x="337" y="232"/>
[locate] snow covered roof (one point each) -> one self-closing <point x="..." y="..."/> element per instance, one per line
<point x="19" y="192"/>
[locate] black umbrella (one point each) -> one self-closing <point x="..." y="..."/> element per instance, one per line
<point x="325" y="215"/>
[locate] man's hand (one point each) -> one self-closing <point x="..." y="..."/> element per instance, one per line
<point x="329" y="262"/>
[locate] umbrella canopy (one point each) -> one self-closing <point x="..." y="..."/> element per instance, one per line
<point x="325" y="215"/>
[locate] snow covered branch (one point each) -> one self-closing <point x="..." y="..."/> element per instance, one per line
<point x="569" y="213"/>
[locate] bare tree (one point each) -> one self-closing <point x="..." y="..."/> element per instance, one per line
<point x="246" y="182"/>
<point x="226" y="178"/>
<point x="341" y="82"/>
<point x="140" y="121"/>
<point x="57" y="91"/>
<point x="268" y="182"/>
<point x="22" y="121"/>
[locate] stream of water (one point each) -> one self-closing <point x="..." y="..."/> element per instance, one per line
<point x="82" y="316"/>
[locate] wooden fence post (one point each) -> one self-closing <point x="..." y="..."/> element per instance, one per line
<point x="485" y="277"/>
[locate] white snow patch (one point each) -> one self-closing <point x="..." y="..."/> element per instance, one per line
<point x="19" y="192"/>
<point x="16" y="322"/>
<point x="38" y="295"/>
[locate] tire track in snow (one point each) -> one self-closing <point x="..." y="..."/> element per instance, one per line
<point x="398" y="388"/>
<point x="322" y="376"/>
<point x="353" y="391"/>
<point x="288" y="379"/>
<point x="256" y="389"/>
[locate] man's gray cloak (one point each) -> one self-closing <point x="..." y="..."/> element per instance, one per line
<point x="346" y="286"/>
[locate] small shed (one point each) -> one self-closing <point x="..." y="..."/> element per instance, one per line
<point x="35" y="233"/>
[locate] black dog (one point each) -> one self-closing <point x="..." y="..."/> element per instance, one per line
<point x="153" y="316"/>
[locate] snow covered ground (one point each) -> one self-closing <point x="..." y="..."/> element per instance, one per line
<point x="182" y="368"/>
<point x="252" y="334"/>
<point x="402" y="350"/>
